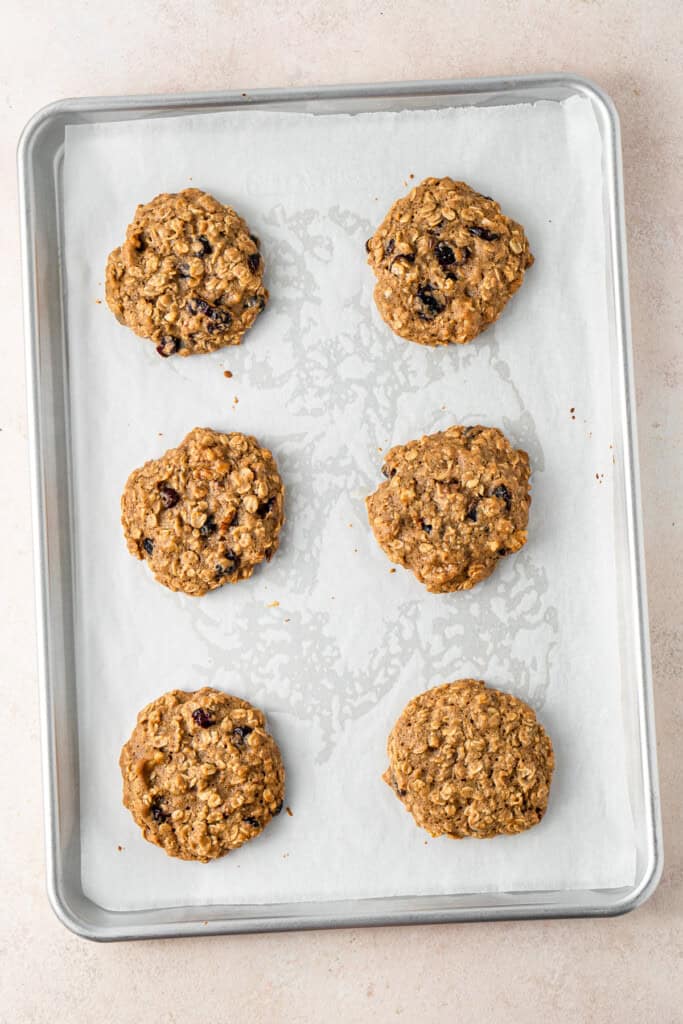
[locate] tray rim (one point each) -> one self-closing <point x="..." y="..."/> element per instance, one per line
<point x="371" y="913"/>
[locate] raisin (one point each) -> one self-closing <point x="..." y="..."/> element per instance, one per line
<point x="450" y="276"/>
<point x="227" y="570"/>
<point x="255" y="300"/>
<point x="278" y="808"/>
<point x="426" y="527"/>
<point x="388" y="473"/>
<point x="208" y="527"/>
<point x="501" y="551"/>
<point x="158" y="813"/>
<point x="218" y="318"/>
<point x="148" y="545"/>
<point x="488" y="236"/>
<point x="254" y="261"/>
<point x="408" y="257"/>
<point x="207" y="248"/>
<point x="254" y="239"/>
<point x="444" y="254"/>
<point x="471" y="513"/>
<point x="389" y="247"/>
<point x="197" y="306"/>
<point x="202" y="718"/>
<point x="265" y="507"/>
<point x="169" y="496"/>
<point x="432" y="306"/>
<point x="183" y="270"/>
<point x="168" y="347"/>
<point x="467" y="255"/>
<point x="240" y="732"/>
<point x="252" y="821"/>
<point x="502" y="492"/>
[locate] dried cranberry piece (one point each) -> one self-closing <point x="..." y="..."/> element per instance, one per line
<point x="148" y="545"/>
<point x="205" y="244"/>
<point x="255" y="300"/>
<point x="254" y="822"/>
<point x="471" y="513"/>
<point x="254" y="261"/>
<point x="388" y="473"/>
<point x="183" y="270"/>
<point x="427" y="527"/>
<point x="389" y="247"/>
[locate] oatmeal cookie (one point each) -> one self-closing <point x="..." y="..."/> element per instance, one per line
<point x="467" y="760"/>
<point x="189" y="275"/>
<point x="446" y="261"/>
<point x="205" y="513"/>
<point x="454" y="503"/>
<point x="201" y="774"/>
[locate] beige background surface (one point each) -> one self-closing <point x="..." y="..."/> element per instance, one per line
<point x="622" y="970"/>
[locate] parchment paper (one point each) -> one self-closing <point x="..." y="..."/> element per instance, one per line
<point x="324" y="383"/>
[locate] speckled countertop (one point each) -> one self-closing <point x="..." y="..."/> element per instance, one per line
<point x="622" y="970"/>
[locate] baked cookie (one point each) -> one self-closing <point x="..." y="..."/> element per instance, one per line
<point x="205" y="513"/>
<point x="454" y="503"/>
<point x="189" y="275"/>
<point x="446" y="261"/>
<point x="201" y="774"/>
<point x="470" y="761"/>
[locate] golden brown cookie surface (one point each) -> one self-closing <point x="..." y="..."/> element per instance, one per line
<point x="201" y="774"/>
<point x="454" y="503"/>
<point x="446" y="260"/>
<point x="189" y="275"/>
<point x="467" y="760"/>
<point x="205" y="513"/>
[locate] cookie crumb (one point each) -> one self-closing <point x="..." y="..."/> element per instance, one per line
<point x="392" y="570"/>
<point x="287" y="620"/>
<point x="227" y="373"/>
<point x="119" y="848"/>
<point x="290" y="812"/>
<point x="411" y="176"/>
<point x="98" y="302"/>
<point x="273" y="604"/>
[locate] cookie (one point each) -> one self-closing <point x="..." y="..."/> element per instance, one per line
<point x="205" y="513"/>
<point x="467" y="760"/>
<point x="446" y="261"/>
<point x="453" y="505"/>
<point x="189" y="275"/>
<point x="201" y="773"/>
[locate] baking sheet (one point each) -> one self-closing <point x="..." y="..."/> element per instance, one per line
<point x="326" y="639"/>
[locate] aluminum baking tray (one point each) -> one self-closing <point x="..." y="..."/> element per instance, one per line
<point x="40" y="165"/>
